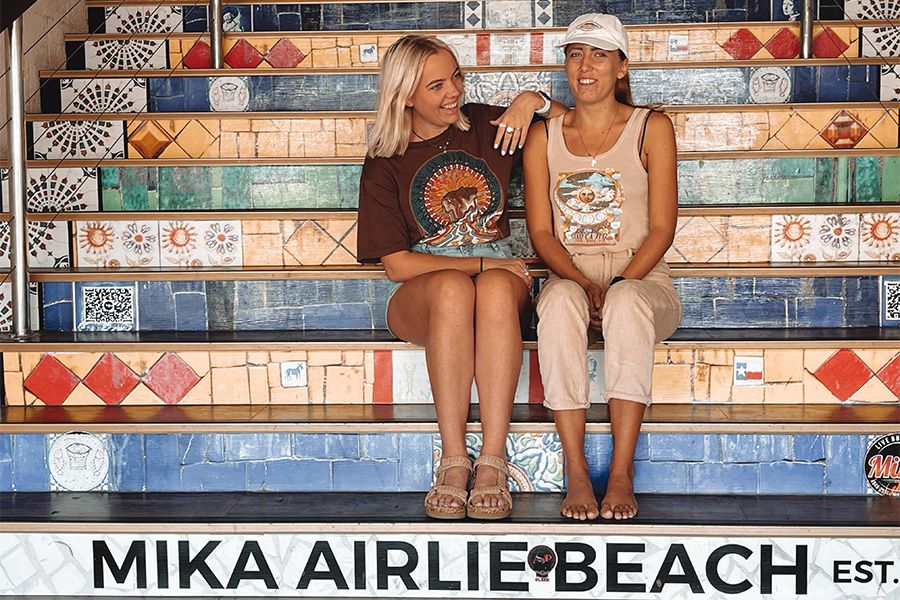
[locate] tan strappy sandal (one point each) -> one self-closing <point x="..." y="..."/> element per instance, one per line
<point x="500" y="489"/>
<point x="441" y="489"/>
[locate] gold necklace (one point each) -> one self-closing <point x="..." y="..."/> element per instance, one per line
<point x="603" y="141"/>
<point x="442" y="146"/>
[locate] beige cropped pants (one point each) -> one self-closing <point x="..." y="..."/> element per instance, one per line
<point x="637" y="314"/>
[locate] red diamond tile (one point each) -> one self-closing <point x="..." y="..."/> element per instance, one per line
<point x="742" y="45"/>
<point x="828" y="44"/>
<point x="51" y="381"/>
<point x="843" y="374"/>
<point x="198" y="57"/>
<point x="171" y="378"/>
<point x="243" y="56"/>
<point x="284" y="55"/>
<point x="844" y="131"/>
<point x="890" y="376"/>
<point x="111" y="379"/>
<point x="784" y="44"/>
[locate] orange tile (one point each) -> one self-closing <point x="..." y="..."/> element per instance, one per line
<point x="699" y="241"/>
<point x="702" y="374"/>
<point x="783" y="365"/>
<point x="200" y="394"/>
<point x="79" y="363"/>
<point x="672" y="383"/>
<point x="227" y="359"/>
<point x="195" y="139"/>
<point x="316" y="385"/>
<point x="796" y="133"/>
<point x="246" y="146"/>
<point x="10" y="361"/>
<point x="816" y="393"/>
<point x="235" y="125"/>
<point x="716" y="357"/>
<point x="784" y="393"/>
<point x="141" y="396"/>
<point x="885" y="130"/>
<point x="139" y="362"/>
<point x="262" y="250"/>
<point x="310" y="245"/>
<point x="369" y="367"/>
<point x="747" y="394"/>
<point x="341" y="256"/>
<point x="813" y="359"/>
<point x="198" y="361"/>
<point x="259" y="385"/>
<point x="720" y="380"/>
<point x="14" y="386"/>
<point x="749" y="245"/>
<point x="874" y="391"/>
<point x="344" y="385"/>
<point x="875" y="359"/>
<point x="29" y="361"/>
<point x="173" y="151"/>
<point x="681" y="356"/>
<point x="258" y="358"/>
<point x="320" y="358"/>
<point x="230" y="385"/>
<point x="297" y="395"/>
<point x="290" y="356"/>
<point x="272" y="145"/>
<point x="253" y="226"/>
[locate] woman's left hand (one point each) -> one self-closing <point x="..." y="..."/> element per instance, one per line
<point x="514" y="122"/>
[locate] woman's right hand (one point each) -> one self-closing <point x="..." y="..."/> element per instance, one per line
<point x="595" y="296"/>
<point x="516" y="266"/>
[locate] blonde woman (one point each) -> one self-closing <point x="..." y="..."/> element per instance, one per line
<point x="601" y="203"/>
<point x="432" y="210"/>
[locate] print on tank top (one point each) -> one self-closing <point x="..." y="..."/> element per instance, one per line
<point x="590" y="207"/>
<point x="457" y="200"/>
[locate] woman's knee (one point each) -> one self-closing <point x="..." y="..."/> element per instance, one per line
<point x="562" y="296"/>
<point x="499" y="286"/>
<point x="450" y="292"/>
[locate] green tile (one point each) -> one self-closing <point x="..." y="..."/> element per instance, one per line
<point x="234" y="187"/>
<point x="890" y="179"/>
<point x="111" y="200"/>
<point x="866" y="179"/>
<point x="185" y="188"/>
<point x="791" y="167"/>
<point x="135" y="183"/>
<point x="788" y="191"/>
<point x="825" y="175"/>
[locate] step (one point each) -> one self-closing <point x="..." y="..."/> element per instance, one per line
<point x="371" y="367"/>
<point x="360" y="536"/>
<point x="538" y="46"/>
<point x="829" y="181"/>
<point x="356" y="88"/>
<point x="261" y="137"/>
<point x="172" y="15"/>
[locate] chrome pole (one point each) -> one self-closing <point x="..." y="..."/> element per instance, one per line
<point x="806" y="29"/>
<point x="18" y="229"/>
<point x="215" y="33"/>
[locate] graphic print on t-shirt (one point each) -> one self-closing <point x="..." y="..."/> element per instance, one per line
<point x="456" y="200"/>
<point x="590" y="207"/>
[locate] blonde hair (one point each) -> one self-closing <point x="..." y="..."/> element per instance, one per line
<point x="401" y="71"/>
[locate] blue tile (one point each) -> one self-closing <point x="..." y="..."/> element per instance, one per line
<point x="201" y="447"/>
<point x="365" y="475"/>
<point x="190" y="311"/>
<point x="820" y="312"/>
<point x="791" y="478"/>
<point x="6" y="446"/>
<point x="676" y="447"/>
<point x="809" y="447"/>
<point x="781" y="287"/>
<point x="156" y="306"/>
<point x="256" y="476"/>
<point x="833" y="83"/>
<point x="298" y="475"/>
<point x="342" y="445"/>
<point x="309" y="445"/>
<point x="57" y="313"/>
<point x="347" y="315"/>
<point x="803" y="84"/>
<point x="177" y="94"/>
<point x="657" y="477"/>
<point x="744" y="448"/>
<point x="162" y="460"/>
<point x="845" y="464"/>
<point x="753" y="312"/>
<point x="711" y="478"/>
<point x="380" y="445"/>
<point x="713" y="448"/>
<point x="127" y="452"/>
<point x="30" y="463"/>
<point x="6" y="478"/>
<point x="214" y="477"/>
<point x="258" y="446"/>
<point x="416" y="469"/>
<point x="194" y="19"/>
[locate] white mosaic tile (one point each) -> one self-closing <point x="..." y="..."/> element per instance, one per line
<point x="890" y="83"/>
<point x="836" y="237"/>
<point x="535" y="460"/>
<point x="132" y="54"/>
<point x="79" y="139"/>
<point x="770" y="85"/>
<point x="508" y="14"/>
<point x="879" y="236"/>
<point x="201" y="243"/>
<point x="229" y="94"/>
<point x="473" y="14"/>
<point x="510" y="49"/>
<point x="792" y="238"/>
<point x="464" y="46"/>
<point x="62" y="189"/>
<point x="880" y="41"/>
<point x="502" y="88"/>
<point x="543" y="13"/>
<point x="871" y="9"/>
<point x="78" y="461"/>
<point x="114" y="244"/>
<point x="103" y="95"/>
<point x="48" y="244"/>
<point x="136" y="19"/>
<point x="6" y="306"/>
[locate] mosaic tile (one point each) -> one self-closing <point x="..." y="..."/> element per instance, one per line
<point x="880" y="236"/>
<point x="473" y="14"/>
<point x="843" y="374"/>
<point x="171" y="378"/>
<point x="77" y="139"/>
<point x="78" y="461"/>
<point x="543" y="13"/>
<point x="135" y="19"/>
<point x="535" y="460"/>
<point x="61" y="189"/>
<point x="229" y="94"/>
<point x="509" y="14"/>
<point x="890" y="83"/>
<point x="118" y="243"/>
<point x="200" y="243"/>
<point x="880" y="41"/>
<point x="132" y="54"/>
<point x="34" y="318"/>
<point x="50" y="381"/>
<point x="111" y="379"/>
<point x="47" y="244"/>
<point x="890" y="300"/>
<point x="103" y="95"/>
<point x="770" y="85"/>
<point x="110" y="307"/>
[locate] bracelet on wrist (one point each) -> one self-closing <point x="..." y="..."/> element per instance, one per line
<point x="548" y="102"/>
<point x="615" y="280"/>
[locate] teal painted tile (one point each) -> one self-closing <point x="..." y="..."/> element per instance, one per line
<point x="789" y="190"/>
<point x="185" y="188"/>
<point x="111" y="199"/>
<point x="793" y="167"/>
<point x="825" y="176"/>
<point x="134" y="186"/>
<point x="232" y="187"/>
<point x="866" y="179"/>
<point x="890" y="179"/>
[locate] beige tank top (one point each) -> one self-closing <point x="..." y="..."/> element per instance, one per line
<point x="600" y="208"/>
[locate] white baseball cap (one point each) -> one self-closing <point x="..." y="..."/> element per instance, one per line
<point x="597" y="30"/>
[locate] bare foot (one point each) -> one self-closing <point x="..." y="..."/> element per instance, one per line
<point x="456" y="477"/>
<point x="619" y="502"/>
<point x="486" y="476"/>
<point x="580" y="502"/>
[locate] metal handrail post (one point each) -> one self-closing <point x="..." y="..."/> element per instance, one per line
<point x="215" y="34"/>
<point x="18" y="226"/>
<point x="806" y="29"/>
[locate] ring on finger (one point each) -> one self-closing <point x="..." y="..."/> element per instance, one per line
<point x="510" y="129"/>
<point x="502" y="125"/>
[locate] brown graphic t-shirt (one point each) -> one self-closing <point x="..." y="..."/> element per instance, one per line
<point x="452" y="198"/>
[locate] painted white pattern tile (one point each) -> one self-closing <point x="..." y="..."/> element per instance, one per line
<point x="551" y="54"/>
<point x="508" y="14"/>
<point x="48" y="244"/>
<point x="230" y="94"/>
<point x="118" y="244"/>
<point x="792" y="238"/>
<point x="890" y="83"/>
<point x="78" y="461"/>
<point x="871" y="9"/>
<point x="464" y="46"/>
<point x="6" y="306"/>
<point x="535" y="460"/>
<point x="135" y="19"/>
<point x="770" y="85"/>
<point x="201" y="243"/>
<point x="879" y="236"/>
<point x="880" y="41"/>
<point x="502" y="88"/>
<point x="835" y="237"/>
<point x="103" y="95"/>
<point x="79" y="139"/>
<point x="134" y="54"/>
<point x="473" y="14"/>
<point x="543" y="13"/>
<point x="510" y="49"/>
<point x="62" y="189"/>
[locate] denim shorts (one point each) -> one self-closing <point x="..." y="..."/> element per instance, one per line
<point x="498" y="249"/>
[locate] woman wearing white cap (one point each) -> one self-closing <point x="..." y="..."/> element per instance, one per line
<point x="432" y="210"/>
<point x="601" y="205"/>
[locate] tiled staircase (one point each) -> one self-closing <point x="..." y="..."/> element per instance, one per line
<point x="206" y="333"/>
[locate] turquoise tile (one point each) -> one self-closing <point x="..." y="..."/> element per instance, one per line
<point x="890" y="179"/>
<point x="185" y="188"/>
<point x="866" y="180"/>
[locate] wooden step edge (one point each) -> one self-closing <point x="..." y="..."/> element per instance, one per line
<point x="356" y="160"/>
<point x="360" y="114"/>
<point x="285" y="72"/>
<point x="695" y="210"/>
<point x="263" y="273"/>
<point x="349" y="33"/>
